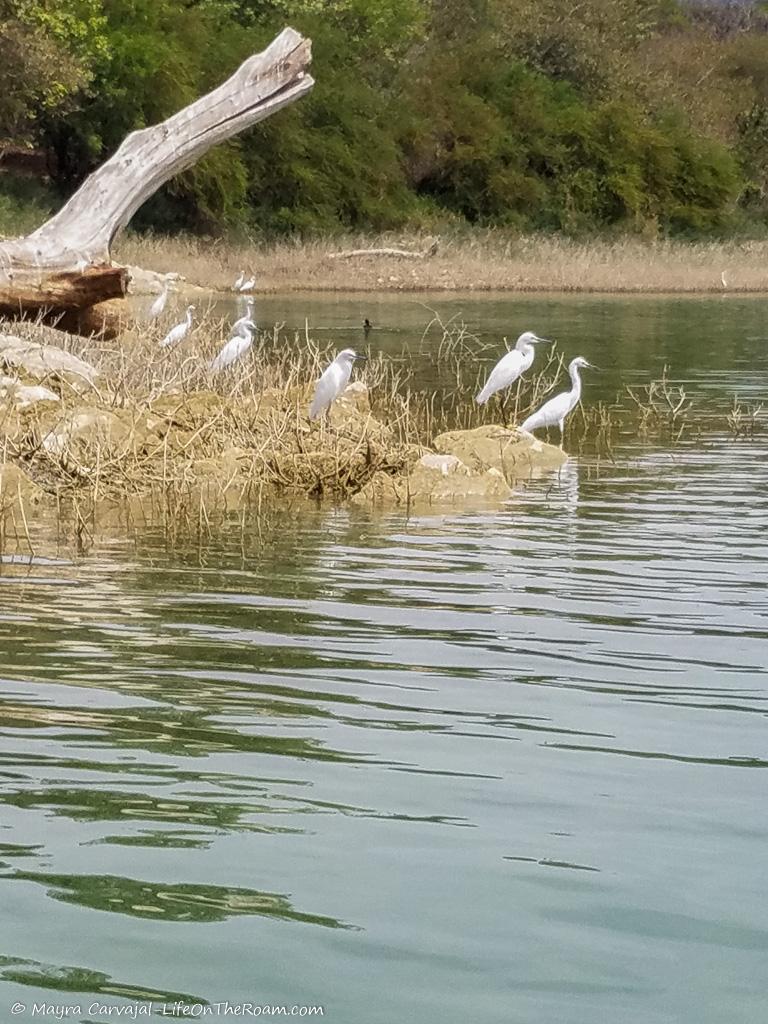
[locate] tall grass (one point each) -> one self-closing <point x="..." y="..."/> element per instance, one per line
<point x="491" y="260"/>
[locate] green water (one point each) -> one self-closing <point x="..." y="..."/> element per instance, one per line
<point x="494" y="766"/>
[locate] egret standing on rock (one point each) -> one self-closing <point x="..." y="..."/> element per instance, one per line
<point x="333" y="381"/>
<point x="180" y="331"/>
<point x="158" y="306"/>
<point x="235" y="348"/>
<point x="510" y="367"/>
<point x="556" y="409"/>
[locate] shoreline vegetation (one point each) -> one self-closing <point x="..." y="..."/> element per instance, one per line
<point x="483" y="260"/>
<point x="97" y="434"/>
<point x="95" y="428"/>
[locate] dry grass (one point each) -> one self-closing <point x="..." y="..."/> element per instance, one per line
<point x="164" y="440"/>
<point x="168" y="442"/>
<point x="161" y="425"/>
<point x="489" y="260"/>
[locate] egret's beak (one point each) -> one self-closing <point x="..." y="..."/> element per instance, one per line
<point x="592" y="366"/>
<point x="364" y="358"/>
<point x="547" y="341"/>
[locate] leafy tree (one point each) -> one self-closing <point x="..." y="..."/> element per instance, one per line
<point x="48" y="49"/>
<point x="636" y="115"/>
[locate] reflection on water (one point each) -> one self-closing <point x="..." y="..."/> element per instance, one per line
<point x="483" y="766"/>
<point x="168" y="902"/>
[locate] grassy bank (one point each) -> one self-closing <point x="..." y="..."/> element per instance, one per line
<point x="466" y="259"/>
<point x="87" y="426"/>
<point x="126" y="430"/>
<point x="480" y="260"/>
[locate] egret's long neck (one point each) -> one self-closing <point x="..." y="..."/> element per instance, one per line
<point x="576" y="384"/>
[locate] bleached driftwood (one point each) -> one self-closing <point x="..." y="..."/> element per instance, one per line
<point x="402" y="254"/>
<point x="63" y="269"/>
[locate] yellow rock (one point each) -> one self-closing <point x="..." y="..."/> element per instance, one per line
<point x="515" y="454"/>
<point x="435" y="480"/>
<point x="89" y="434"/>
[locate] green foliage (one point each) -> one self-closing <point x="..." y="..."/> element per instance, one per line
<point x="639" y="115"/>
<point x="48" y="49"/>
<point x="24" y="204"/>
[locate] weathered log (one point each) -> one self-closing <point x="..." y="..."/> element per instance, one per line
<point x="401" y="254"/>
<point x="63" y="269"/>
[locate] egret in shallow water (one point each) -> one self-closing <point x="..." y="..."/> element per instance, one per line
<point x="510" y="366"/>
<point x="158" y="306"/>
<point x="556" y="409"/>
<point x="238" y="325"/>
<point x="180" y="331"/>
<point x="239" y="281"/>
<point x="247" y="286"/>
<point x="235" y="348"/>
<point x="333" y="381"/>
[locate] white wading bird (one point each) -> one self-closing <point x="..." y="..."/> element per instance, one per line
<point x="724" y="280"/>
<point x="556" y="409"/>
<point x="247" y="286"/>
<point x="510" y="366"/>
<point x="180" y="331"/>
<point x="333" y="381"/>
<point x="235" y="348"/>
<point x="239" y="281"/>
<point x="158" y="306"/>
<point x="238" y="325"/>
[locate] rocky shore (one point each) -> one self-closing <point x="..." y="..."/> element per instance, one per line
<point x="68" y="431"/>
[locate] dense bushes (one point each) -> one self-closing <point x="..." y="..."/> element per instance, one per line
<point x="528" y="113"/>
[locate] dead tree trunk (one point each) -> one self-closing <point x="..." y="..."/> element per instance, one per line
<point x="63" y="269"/>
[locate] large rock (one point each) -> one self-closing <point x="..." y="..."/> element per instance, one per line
<point x="16" y="395"/>
<point x="435" y="480"/>
<point x="513" y="453"/>
<point x="85" y="436"/>
<point x="149" y="282"/>
<point x="43" y="362"/>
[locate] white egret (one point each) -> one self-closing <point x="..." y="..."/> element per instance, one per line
<point x="724" y="280"/>
<point x="158" y="306"/>
<point x="332" y="382"/>
<point x="556" y="409"/>
<point x="510" y="366"/>
<point x="247" y="286"/>
<point x="180" y="331"/>
<point x="239" y="281"/>
<point x="235" y="348"/>
<point x="238" y="325"/>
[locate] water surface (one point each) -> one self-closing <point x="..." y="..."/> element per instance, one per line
<point x="488" y="766"/>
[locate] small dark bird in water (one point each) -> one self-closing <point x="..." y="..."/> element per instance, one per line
<point x="367" y="326"/>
